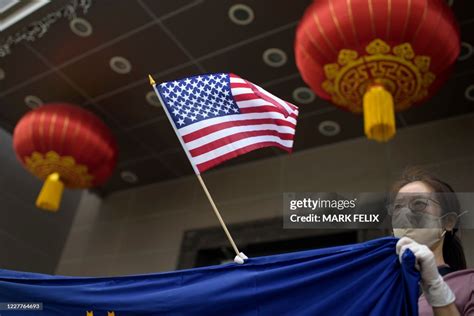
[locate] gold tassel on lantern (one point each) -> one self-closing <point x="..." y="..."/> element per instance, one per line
<point x="50" y="195"/>
<point x="379" y="114"/>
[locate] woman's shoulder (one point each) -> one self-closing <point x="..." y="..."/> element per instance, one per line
<point x="462" y="284"/>
<point x="469" y="271"/>
<point x="459" y="274"/>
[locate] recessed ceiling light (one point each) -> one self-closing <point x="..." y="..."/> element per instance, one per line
<point x="303" y="95"/>
<point x="33" y="101"/>
<point x="469" y="93"/>
<point x="80" y="27"/>
<point x="120" y="65"/>
<point x="129" y="176"/>
<point x="2" y="74"/>
<point x="329" y="128"/>
<point x="241" y="14"/>
<point x="274" y="57"/>
<point x="466" y="51"/>
<point x="152" y="99"/>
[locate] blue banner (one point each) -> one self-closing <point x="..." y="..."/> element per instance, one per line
<point x="360" y="279"/>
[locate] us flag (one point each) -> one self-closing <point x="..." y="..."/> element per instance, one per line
<point x="221" y="116"/>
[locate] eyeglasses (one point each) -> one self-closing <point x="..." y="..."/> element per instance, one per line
<point x="417" y="204"/>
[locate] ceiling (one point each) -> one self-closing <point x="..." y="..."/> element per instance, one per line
<point x="173" y="39"/>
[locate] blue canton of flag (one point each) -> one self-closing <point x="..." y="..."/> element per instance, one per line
<point x="198" y="98"/>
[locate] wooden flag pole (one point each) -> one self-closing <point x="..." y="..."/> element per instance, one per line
<point x="240" y="256"/>
<point x="218" y="214"/>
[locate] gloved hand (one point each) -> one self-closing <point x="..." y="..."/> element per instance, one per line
<point x="436" y="291"/>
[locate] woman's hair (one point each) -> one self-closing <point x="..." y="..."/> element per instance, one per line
<point x="453" y="252"/>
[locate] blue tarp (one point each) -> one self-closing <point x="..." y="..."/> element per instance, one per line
<point x="360" y="279"/>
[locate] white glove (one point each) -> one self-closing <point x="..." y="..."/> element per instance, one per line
<point x="436" y="291"/>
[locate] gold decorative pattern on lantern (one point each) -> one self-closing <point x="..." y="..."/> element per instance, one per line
<point x="405" y="75"/>
<point x="72" y="174"/>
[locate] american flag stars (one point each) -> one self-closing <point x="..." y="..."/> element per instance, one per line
<point x="197" y="98"/>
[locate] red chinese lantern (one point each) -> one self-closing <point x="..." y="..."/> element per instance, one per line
<point x="64" y="145"/>
<point x="376" y="56"/>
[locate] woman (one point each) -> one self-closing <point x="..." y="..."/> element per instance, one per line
<point x="424" y="213"/>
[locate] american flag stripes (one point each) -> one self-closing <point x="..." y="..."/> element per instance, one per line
<point x="220" y="116"/>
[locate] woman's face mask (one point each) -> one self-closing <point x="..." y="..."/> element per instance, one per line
<point x="422" y="227"/>
<point x="425" y="236"/>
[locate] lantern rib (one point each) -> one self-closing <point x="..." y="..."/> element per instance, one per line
<point x="407" y="19"/>
<point x="351" y="17"/>
<point x="336" y="22"/>
<point x="423" y="17"/>
<point x="323" y="34"/>
<point x="315" y="43"/>
<point x="389" y="19"/>
<point x="52" y="127"/>
<point x="372" y="23"/>
<point x="41" y="130"/>
<point x="63" y="133"/>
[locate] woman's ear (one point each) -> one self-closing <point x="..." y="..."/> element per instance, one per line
<point x="449" y="221"/>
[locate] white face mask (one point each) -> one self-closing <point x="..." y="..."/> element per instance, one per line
<point x="426" y="236"/>
<point x="423" y="228"/>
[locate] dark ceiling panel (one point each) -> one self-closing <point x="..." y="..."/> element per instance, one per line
<point x="112" y="123"/>
<point x="467" y="36"/>
<point x="285" y="89"/>
<point x="147" y="171"/>
<point x="130" y="150"/>
<point x="449" y="101"/>
<point x="177" y="160"/>
<point x="130" y="107"/>
<point x="159" y="136"/>
<point x="463" y="9"/>
<point x="109" y="19"/>
<point x="11" y="110"/>
<point x="207" y="27"/>
<point x="162" y="8"/>
<point x="247" y="61"/>
<point x="149" y="51"/>
<point x="307" y="134"/>
<point x="31" y="66"/>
